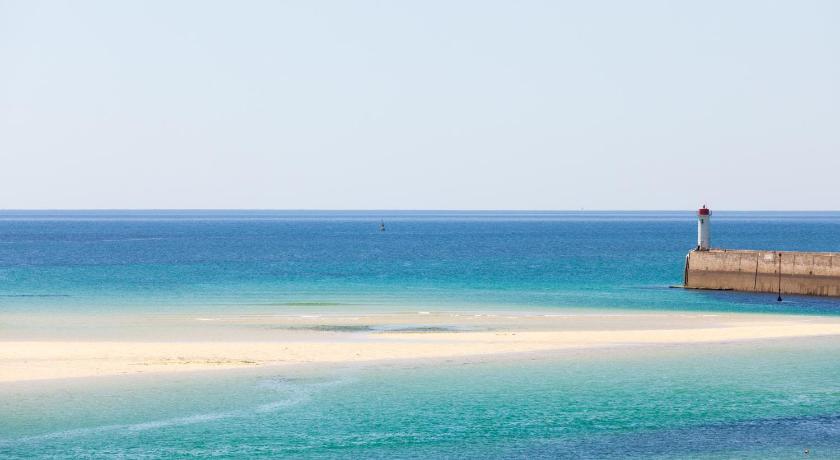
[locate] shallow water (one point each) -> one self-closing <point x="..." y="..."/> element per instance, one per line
<point x="756" y="400"/>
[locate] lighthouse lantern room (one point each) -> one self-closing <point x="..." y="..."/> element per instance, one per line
<point x="704" y="239"/>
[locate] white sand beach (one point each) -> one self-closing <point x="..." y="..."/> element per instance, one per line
<point x="155" y="344"/>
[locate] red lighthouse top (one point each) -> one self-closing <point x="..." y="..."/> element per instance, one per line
<point x="704" y="211"/>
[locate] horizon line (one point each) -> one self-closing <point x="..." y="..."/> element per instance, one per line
<point x="393" y="210"/>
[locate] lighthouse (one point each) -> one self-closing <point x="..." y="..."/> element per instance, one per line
<point x="704" y="239"/>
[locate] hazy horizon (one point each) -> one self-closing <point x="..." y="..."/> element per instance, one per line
<point x="434" y="105"/>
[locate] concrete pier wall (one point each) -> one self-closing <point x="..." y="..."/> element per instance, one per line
<point x="805" y="273"/>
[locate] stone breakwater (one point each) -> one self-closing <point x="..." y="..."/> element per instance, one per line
<point x="788" y="272"/>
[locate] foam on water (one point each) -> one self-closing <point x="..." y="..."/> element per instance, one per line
<point x="299" y="391"/>
<point x="131" y="427"/>
<point x="294" y="392"/>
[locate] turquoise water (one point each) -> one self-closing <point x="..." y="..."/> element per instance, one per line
<point x="722" y="401"/>
<point x="769" y="399"/>
<point x="275" y="261"/>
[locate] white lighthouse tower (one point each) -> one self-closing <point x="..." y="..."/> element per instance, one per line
<point x="704" y="218"/>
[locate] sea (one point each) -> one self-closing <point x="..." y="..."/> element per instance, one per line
<point x="773" y="399"/>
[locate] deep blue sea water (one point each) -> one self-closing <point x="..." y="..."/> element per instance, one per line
<point x="290" y="261"/>
<point x="765" y="399"/>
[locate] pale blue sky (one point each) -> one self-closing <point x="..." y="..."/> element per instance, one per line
<point x="420" y="105"/>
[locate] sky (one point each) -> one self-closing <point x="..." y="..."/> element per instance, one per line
<point x="361" y="104"/>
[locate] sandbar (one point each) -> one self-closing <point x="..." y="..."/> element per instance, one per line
<point x="177" y="343"/>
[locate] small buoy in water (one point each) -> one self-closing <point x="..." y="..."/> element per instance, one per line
<point x="807" y="451"/>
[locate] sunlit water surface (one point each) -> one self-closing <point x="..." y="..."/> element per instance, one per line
<point x="748" y="400"/>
